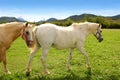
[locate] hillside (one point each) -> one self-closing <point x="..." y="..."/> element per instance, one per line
<point x="80" y="17"/>
<point x="106" y="21"/>
<point x="10" y="19"/>
<point x="51" y="19"/>
<point x="117" y="17"/>
<point x="84" y="16"/>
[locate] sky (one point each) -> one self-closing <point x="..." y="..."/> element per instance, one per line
<point x="36" y="10"/>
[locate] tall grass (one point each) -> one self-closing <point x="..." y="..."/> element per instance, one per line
<point x="104" y="58"/>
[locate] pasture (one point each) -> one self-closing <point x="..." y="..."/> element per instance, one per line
<point x="104" y="58"/>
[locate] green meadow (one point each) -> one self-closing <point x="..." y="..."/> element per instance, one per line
<point x="104" y="58"/>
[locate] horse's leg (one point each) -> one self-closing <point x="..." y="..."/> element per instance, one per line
<point x="5" y="61"/>
<point x="5" y="65"/>
<point x="30" y="59"/>
<point x="69" y="58"/>
<point x="1" y="55"/>
<point x="43" y="59"/>
<point x="82" y="49"/>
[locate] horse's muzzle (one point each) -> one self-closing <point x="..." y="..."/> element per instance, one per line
<point x="30" y="43"/>
<point x="100" y="39"/>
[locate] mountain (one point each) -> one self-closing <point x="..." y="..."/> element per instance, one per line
<point x="116" y="17"/>
<point x="84" y="16"/>
<point x="106" y="21"/>
<point x="80" y="17"/>
<point x="72" y="18"/>
<point x="48" y="20"/>
<point x="21" y="19"/>
<point x="51" y="19"/>
<point x="10" y="19"/>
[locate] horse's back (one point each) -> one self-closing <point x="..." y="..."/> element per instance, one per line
<point x="50" y="34"/>
<point x="45" y="34"/>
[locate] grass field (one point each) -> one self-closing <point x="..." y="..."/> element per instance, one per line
<point x="104" y="58"/>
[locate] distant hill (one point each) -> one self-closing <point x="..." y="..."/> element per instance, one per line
<point x="84" y="16"/>
<point x="11" y="19"/>
<point x="73" y="18"/>
<point x="80" y="17"/>
<point x="21" y="19"/>
<point x="117" y="17"/>
<point x="51" y="19"/>
<point x="106" y="21"/>
<point x="112" y="22"/>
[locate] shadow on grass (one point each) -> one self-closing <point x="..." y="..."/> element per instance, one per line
<point x="73" y="76"/>
<point x="70" y="76"/>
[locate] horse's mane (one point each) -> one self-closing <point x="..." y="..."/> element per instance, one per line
<point x="74" y="24"/>
<point x="10" y="23"/>
<point x="80" y="25"/>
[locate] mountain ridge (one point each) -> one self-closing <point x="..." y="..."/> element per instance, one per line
<point x="72" y="17"/>
<point x="83" y="16"/>
<point x="11" y="19"/>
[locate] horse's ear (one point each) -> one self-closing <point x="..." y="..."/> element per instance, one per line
<point x="99" y="26"/>
<point x="75" y="24"/>
<point x="26" y="24"/>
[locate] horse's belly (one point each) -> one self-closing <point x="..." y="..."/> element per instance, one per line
<point x="63" y="45"/>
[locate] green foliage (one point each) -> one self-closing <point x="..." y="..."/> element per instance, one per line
<point x="104" y="58"/>
<point x="67" y="22"/>
<point x="107" y="22"/>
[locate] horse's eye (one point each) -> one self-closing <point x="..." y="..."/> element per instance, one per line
<point x="27" y="32"/>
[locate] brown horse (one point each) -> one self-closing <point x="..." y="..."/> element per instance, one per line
<point x="10" y="32"/>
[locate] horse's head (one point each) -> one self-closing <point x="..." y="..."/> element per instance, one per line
<point x="96" y="30"/>
<point x="98" y="33"/>
<point x="27" y="35"/>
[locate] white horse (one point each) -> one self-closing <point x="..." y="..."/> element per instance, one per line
<point x="74" y="36"/>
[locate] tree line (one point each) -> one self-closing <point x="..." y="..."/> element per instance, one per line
<point x="107" y="23"/>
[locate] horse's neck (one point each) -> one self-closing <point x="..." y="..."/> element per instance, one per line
<point x="14" y="32"/>
<point x="85" y="31"/>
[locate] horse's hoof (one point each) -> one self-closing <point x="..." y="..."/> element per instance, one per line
<point x="8" y="72"/>
<point x="27" y="73"/>
<point x="89" y="70"/>
<point x="68" y="69"/>
<point x="47" y="72"/>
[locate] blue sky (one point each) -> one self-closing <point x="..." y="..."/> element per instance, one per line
<point x="36" y="10"/>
